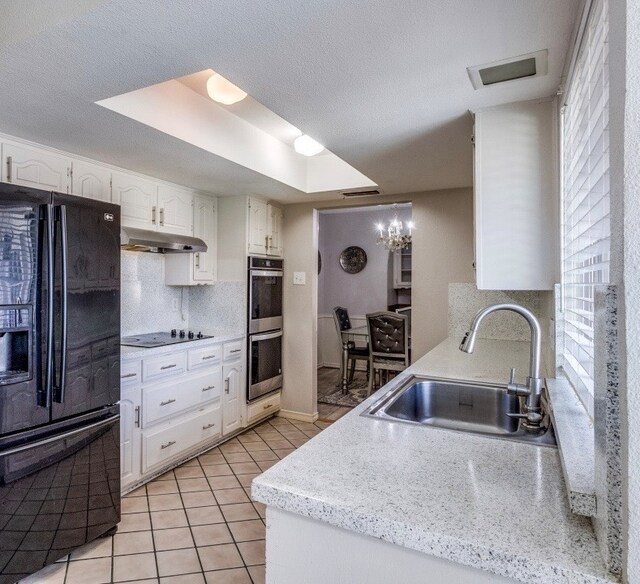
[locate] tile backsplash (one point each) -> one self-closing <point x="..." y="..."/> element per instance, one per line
<point x="465" y="300"/>
<point x="148" y="305"/>
<point x="220" y="306"/>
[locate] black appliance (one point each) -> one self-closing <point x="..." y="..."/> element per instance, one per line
<point x="161" y="339"/>
<point x="265" y="326"/>
<point x="59" y="376"/>
<point x="265" y="294"/>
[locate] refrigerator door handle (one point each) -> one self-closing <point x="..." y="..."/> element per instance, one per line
<point x="64" y="257"/>
<point x="83" y="429"/>
<point x="49" y="369"/>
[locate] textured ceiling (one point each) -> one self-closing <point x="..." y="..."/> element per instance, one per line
<point x="382" y="84"/>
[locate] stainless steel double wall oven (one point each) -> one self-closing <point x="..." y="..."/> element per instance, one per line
<point x="265" y="326"/>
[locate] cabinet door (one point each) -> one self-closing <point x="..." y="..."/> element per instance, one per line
<point x="275" y="230"/>
<point x="138" y="199"/>
<point x="35" y="168"/>
<point x="130" y="464"/>
<point x="205" y="226"/>
<point x="257" y="227"/>
<point x="516" y="197"/>
<point x="91" y="181"/>
<point x="402" y="268"/>
<point x="232" y="397"/>
<point x="175" y="211"/>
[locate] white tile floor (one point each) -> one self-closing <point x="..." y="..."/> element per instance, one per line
<point x="193" y="525"/>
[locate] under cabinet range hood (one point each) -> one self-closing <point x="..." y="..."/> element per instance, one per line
<point x="133" y="239"/>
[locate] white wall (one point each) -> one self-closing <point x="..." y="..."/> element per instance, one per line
<point x="442" y="253"/>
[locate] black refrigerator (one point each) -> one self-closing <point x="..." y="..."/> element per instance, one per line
<point x="59" y="376"/>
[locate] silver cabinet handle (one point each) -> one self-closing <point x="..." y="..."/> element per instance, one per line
<point x="207" y="357"/>
<point x="198" y="260"/>
<point x="162" y="216"/>
<point x="267" y="406"/>
<point x="170" y="443"/>
<point x="137" y="420"/>
<point x="226" y="385"/>
<point x="166" y="403"/>
<point x="208" y="426"/>
<point x="266" y="241"/>
<point x="168" y="367"/>
<point x="235" y="351"/>
<point x="9" y="167"/>
<point x="153" y="215"/>
<point x="208" y="388"/>
<point x="128" y="375"/>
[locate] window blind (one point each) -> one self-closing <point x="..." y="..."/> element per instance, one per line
<point x="585" y="204"/>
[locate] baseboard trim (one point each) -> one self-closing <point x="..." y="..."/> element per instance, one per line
<point x="299" y="416"/>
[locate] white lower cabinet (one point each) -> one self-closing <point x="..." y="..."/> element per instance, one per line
<point x="176" y="404"/>
<point x="164" y="400"/>
<point x="263" y="407"/>
<point x="232" y="398"/>
<point x="130" y="406"/>
<point x="169" y="440"/>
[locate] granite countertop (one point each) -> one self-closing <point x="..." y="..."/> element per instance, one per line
<point x="493" y="504"/>
<point x="219" y="336"/>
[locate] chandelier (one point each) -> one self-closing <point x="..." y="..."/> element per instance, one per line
<point x="394" y="237"/>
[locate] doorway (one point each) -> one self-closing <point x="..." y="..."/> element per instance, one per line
<point x="360" y="275"/>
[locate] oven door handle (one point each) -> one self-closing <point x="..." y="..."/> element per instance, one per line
<point x="266" y="336"/>
<point x="267" y="273"/>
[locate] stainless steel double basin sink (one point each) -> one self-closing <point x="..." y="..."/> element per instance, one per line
<point x="464" y="406"/>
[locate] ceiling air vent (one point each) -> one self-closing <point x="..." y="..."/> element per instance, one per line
<point x="371" y="193"/>
<point x="524" y="66"/>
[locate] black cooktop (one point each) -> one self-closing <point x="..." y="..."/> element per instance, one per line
<point x="161" y="339"/>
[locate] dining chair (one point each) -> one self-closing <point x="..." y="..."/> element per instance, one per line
<point x="389" y="343"/>
<point x="343" y="322"/>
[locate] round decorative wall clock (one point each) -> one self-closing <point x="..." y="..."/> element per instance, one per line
<point x="353" y="259"/>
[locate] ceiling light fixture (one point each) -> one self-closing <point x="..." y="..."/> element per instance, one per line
<point x="307" y="146"/>
<point x="396" y="237"/>
<point x="223" y="91"/>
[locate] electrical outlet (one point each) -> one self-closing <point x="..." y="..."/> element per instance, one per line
<point x="299" y="278"/>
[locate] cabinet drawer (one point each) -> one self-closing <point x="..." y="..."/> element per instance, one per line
<point x="263" y="407"/>
<point x="156" y="367"/>
<point x="233" y="350"/>
<point x="203" y="356"/>
<point x="129" y="372"/>
<point x="175" y="396"/>
<point x="169" y="441"/>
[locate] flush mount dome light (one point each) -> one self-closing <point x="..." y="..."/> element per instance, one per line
<point x="223" y="91"/>
<point x="307" y="146"/>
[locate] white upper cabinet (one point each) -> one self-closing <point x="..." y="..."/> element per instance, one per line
<point x="516" y="197"/>
<point x="205" y="222"/>
<point x="258" y="223"/>
<point x="264" y="228"/>
<point x="31" y="167"/>
<point x="190" y="269"/>
<point x="275" y="215"/>
<point x="91" y="181"/>
<point x="175" y="211"/>
<point x="138" y="199"/>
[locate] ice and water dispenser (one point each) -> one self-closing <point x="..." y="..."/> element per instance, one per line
<point x="18" y="244"/>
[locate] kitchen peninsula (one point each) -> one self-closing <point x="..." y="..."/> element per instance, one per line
<point x="477" y="509"/>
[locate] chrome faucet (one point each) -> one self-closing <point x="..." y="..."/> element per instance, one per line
<point x="532" y="411"/>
